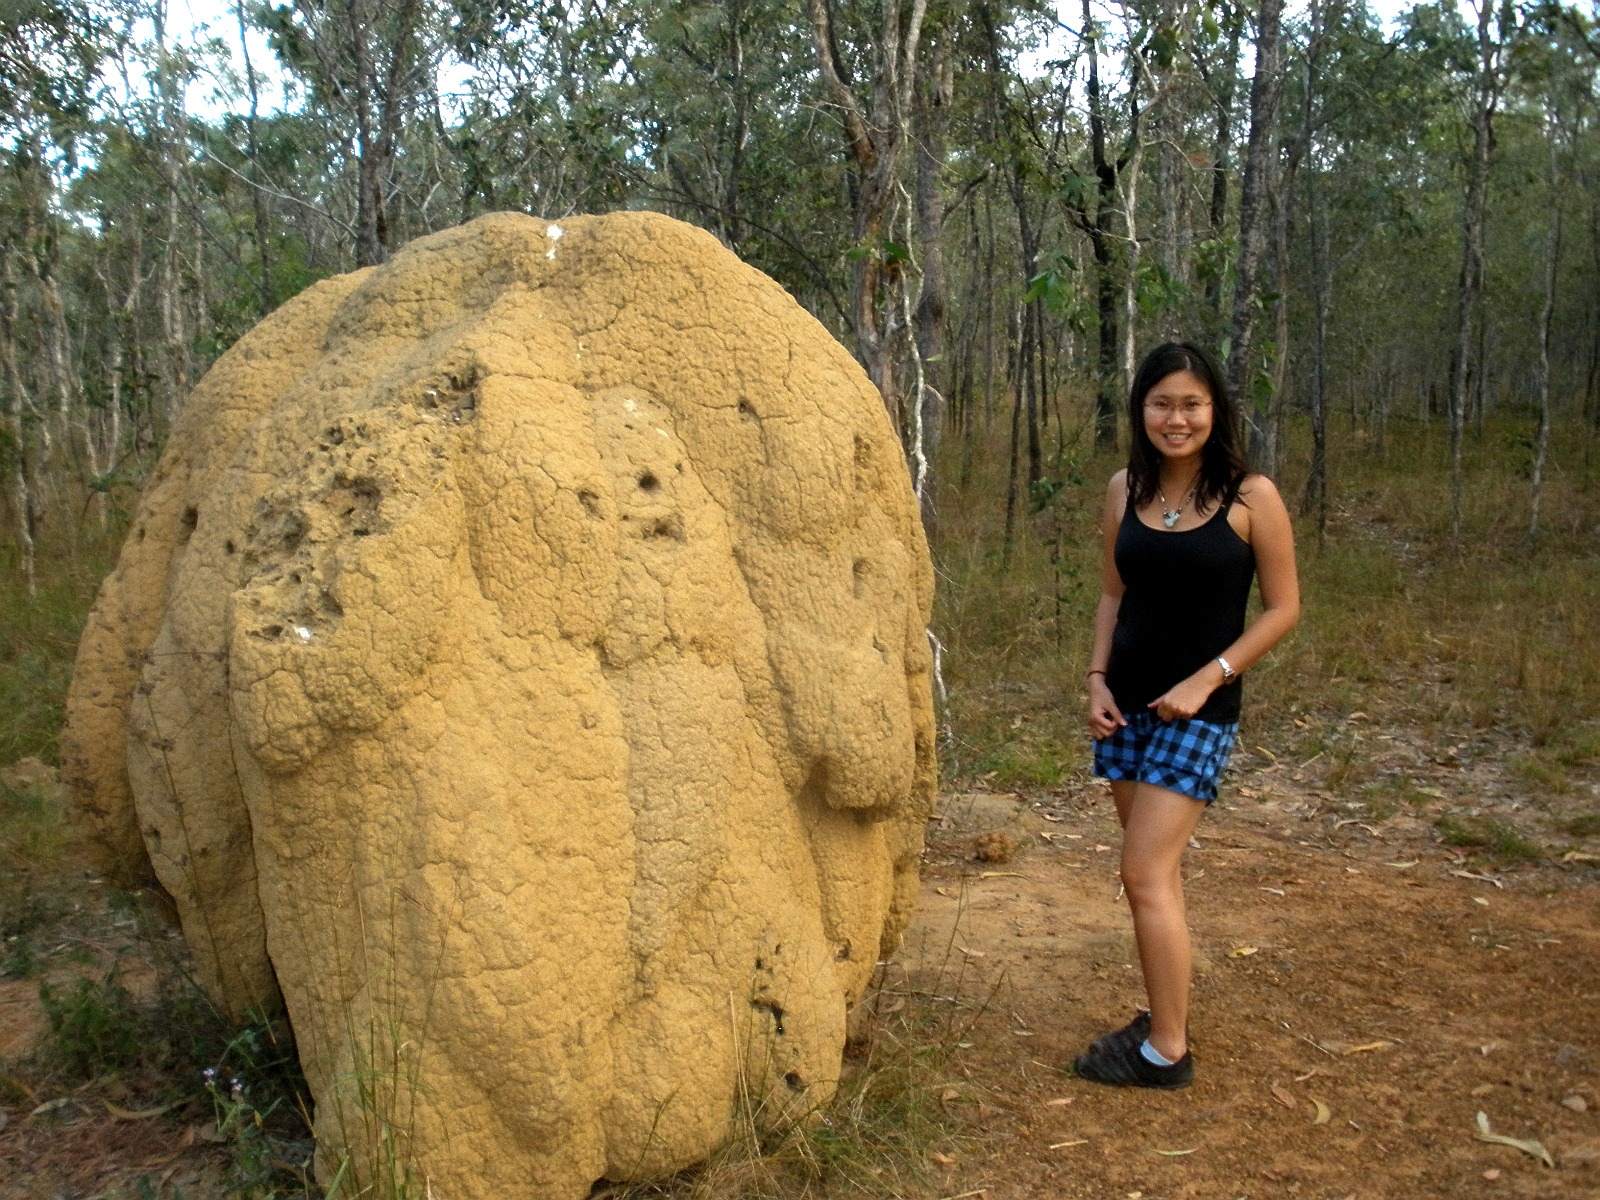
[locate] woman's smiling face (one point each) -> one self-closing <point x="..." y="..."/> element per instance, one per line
<point x="1177" y="415"/>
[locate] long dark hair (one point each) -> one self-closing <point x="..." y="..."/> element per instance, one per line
<point x="1223" y="463"/>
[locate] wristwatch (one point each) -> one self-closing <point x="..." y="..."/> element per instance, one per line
<point x="1228" y="673"/>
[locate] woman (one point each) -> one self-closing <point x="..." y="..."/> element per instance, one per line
<point x="1186" y="526"/>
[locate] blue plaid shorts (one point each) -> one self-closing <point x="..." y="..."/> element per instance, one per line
<point x="1182" y="756"/>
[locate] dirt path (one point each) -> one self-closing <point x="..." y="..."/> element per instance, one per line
<point x="1358" y="968"/>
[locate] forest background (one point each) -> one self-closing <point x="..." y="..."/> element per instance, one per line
<point x="1389" y="231"/>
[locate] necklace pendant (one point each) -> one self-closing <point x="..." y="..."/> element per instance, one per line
<point x="1169" y="518"/>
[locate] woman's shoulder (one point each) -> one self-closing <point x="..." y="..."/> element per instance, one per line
<point x="1256" y="487"/>
<point x="1118" y="486"/>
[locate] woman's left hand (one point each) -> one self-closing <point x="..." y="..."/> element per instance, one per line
<point x="1183" y="700"/>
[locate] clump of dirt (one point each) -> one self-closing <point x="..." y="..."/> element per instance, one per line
<point x="995" y="847"/>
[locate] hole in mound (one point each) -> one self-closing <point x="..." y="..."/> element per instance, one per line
<point x="796" y="1084"/>
<point x="649" y="482"/>
<point x="590" y="501"/>
<point x="269" y="632"/>
<point x="748" y="412"/>
<point x="228" y="546"/>
<point x="190" y="519"/>
<point x="667" y="527"/>
<point x="774" y="1010"/>
<point x="861" y="569"/>
<point x="863" y="453"/>
<point x="842" y="954"/>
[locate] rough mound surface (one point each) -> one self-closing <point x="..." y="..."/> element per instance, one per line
<point x="518" y="660"/>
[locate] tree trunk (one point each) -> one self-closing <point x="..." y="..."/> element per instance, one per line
<point x="1100" y="237"/>
<point x="1223" y="85"/>
<point x="1552" y="259"/>
<point x="258" y="194"/>
<point x="24" y="497"/>
<point x="1469" y="283"/>
<point x="932" y="97"/>
<point x="1315" y="497"/>
<point x="1260" y="156"/>
<point x="874" y="140"/>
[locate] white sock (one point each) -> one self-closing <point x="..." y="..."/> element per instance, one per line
<point x="1151" y="1054"/>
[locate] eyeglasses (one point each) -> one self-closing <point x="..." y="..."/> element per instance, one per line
<point x="1165" y="408"/>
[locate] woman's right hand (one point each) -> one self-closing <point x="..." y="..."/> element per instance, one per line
<point x="1104" y="716"/>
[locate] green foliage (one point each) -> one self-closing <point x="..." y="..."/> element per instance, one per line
<point x="32" y="840"/>
<point x="1499" y="840"/>
<point x="1584" y="825"/>
<point x="94" y="1028"/>
<point x="38" y="641"/>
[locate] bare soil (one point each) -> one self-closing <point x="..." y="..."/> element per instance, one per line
<point x="1363" y="991"/>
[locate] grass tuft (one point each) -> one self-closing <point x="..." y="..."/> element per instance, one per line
<point x="1497" y="839"/>
<point x="1584" y="825"/>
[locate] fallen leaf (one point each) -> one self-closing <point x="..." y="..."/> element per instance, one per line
<point x="1369" y="1046"/>
<point x="1282" y="1096"/>
<point x="1580" y="856"/>
<point x="970" y="953"/>
<point x="1483" y="1089"/>
<point x="1480" y="900"/>
<point x="1274" y="891"/>
<point x="1309" y="1074"/>
<point x="1064" y="1100"/>
<point x="1357" y="716"/>
<point x="1079" y="1142"/>
<point x="1528" y="1146"/>
<point x="50" y="1106"/>
<point x="144" y="1114"/>
<point x="1101" y="849"/>
<point x="944" y="1160"/>
<point x="1002" y="875"/>
<point x="941" y="891"/>
<point x="1176" y="1153"/>
<point x="1477" y="875"/>
<point x="1576" y="1103"/>
<point x="1401" y="866"/>
<point x="949" y="1094"/>
<point x="1242" y="952"/>
<point x="1323" y="1115"/>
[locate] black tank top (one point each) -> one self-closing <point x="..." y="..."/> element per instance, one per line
<point x="1183" y="603"/>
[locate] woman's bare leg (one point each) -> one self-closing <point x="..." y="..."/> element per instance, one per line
<point x="1156" y="826"/>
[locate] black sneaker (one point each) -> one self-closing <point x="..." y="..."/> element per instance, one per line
<point x="1124" y="1065"/>
<point x="1131" y="1034"/>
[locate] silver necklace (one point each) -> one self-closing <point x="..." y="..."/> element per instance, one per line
<point x="1169" y="516"/>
